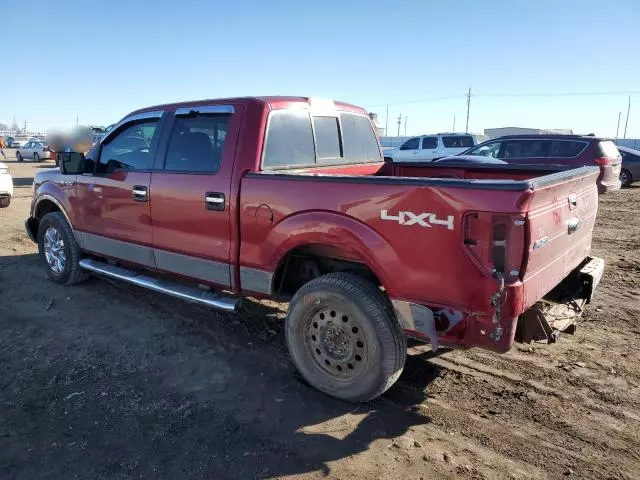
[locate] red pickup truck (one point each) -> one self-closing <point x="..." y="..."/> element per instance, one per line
<point x="289" y="198"/>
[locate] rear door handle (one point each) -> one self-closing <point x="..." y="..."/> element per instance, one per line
<point x="214" y="201"/>
<point x="140" y="193"/>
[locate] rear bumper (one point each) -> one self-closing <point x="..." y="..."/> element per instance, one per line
<point x="609" y="180"/>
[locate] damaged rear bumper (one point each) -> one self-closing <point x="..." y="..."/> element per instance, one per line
<point x="559" y="310"/>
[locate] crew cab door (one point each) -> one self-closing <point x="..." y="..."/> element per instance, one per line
<point x="408" y="151"/>
<point x="191" y="193"/>
<point x="429" y="149"/>
<point x="114" y="217"/>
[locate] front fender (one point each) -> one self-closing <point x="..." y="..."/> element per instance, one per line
<point x="51" y="191"/>
<point x="354" y="239"/>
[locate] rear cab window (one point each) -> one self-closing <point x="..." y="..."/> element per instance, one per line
<point x="294" y="139"/>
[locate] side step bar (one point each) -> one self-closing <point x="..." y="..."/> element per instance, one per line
<point x="190" y="294"/>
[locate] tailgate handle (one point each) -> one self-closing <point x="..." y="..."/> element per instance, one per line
<point x="572" y="225"/>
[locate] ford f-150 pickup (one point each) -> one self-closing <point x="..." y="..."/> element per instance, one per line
<point x="289" y="197"/>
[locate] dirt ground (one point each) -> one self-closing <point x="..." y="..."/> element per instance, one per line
<point x="103" y="380"/>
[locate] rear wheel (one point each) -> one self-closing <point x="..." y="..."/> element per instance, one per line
<point x="59" y="250"/>
<point x="344" y="338"/>
<point x="625" y="177"/>
<point x="5" y="202"/>
<point x="36" y="157"/>
<point x="18" y="156"/>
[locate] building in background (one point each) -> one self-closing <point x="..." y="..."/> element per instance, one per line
<point x="490" y="133"/>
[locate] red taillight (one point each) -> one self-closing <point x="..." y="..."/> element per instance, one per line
<point x="603" y="161"/>
<point x="495" y="243"/>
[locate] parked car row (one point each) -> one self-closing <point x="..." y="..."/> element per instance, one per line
<point x="561" y="150"/>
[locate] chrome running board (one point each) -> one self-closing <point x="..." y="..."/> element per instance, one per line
<point x="190" y="294"/>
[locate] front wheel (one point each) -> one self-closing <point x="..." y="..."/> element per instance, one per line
<point x="625" y="177"/>
<point x="344" y="338"/>
<point x="59" y="250"/>
<point x="5" y="202"/>
<point x="18" y="156"/>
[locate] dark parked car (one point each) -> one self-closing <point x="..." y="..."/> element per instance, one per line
<point x="630" y="166"/>
<point x="567" y="150"/>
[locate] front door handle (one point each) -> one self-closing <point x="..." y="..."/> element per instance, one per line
<point x="140" y="193"/>
<point x="214" y="201"/>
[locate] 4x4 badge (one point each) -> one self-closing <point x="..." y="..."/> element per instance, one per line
<point x="422" y="219"/>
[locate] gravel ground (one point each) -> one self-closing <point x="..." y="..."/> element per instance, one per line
<point x="103" y="380"/>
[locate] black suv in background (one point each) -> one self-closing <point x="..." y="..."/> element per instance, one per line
<point x="566" y="150"/>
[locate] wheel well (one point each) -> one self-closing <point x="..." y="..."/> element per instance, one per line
<point x="44" y="207"/>
<point x="307" y="262"/>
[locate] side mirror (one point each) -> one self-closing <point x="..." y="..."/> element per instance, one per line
<point x="71" y="163"/>
<point x="402" y="147"/>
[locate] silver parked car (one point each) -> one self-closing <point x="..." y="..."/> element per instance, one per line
<point x="33" y="150"/>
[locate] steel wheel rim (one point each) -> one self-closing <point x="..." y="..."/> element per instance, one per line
<point x="54" y="250"/>
<point x="334" y="339"/>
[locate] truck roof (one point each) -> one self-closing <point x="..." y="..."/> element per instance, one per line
<point x="272" y="102"/>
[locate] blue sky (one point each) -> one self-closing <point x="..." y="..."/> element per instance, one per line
<point x="100" y="60"/>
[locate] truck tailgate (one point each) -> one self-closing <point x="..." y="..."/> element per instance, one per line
<point x="561" y="216"/>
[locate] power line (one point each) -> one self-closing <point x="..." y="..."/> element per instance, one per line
<point x="509" y="95"/>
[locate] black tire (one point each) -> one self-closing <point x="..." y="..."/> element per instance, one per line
<point x="364" y="322"/>
<point x="625" y="177"/>
<point x="5" y="202"/>
<point x="71" y="273"/>
<point x="18" y="156"/>
<point x="36" y="157"/>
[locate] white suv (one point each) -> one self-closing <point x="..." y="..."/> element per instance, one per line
<point x="427" y="148"/>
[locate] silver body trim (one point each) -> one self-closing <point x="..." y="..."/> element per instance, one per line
<point x="208" y="270"/>
<point x="183" y="292"/>
<point x="256" y="280"/>
<point x="205" y="109"/>
<point x="131" y="252"/>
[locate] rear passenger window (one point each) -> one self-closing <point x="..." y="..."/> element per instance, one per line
<point x="289" y="140"/>
<point x="565" y="148"/>
<point x="429" y="143"/>
<point x="196" y="143"/>
<point x="130" y="149"/>
<point x="327" y="137"/>
<point x="524" y="149"/>
<point x="360" y="141"/>
<point x="458" y="141"/>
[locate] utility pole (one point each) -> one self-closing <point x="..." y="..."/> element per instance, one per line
<point x="618" y="127"/>
<point x="399" y="123"/>
<point x="405" y="126"/>
<point x="466" y="129"/>
<point x="76" y="120"/>
<point x="386" y="122"/>
<point x="627" y="121"/>
<point x="454" y="123"/>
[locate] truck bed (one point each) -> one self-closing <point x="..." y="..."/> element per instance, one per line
<point x="427" y="230"/>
